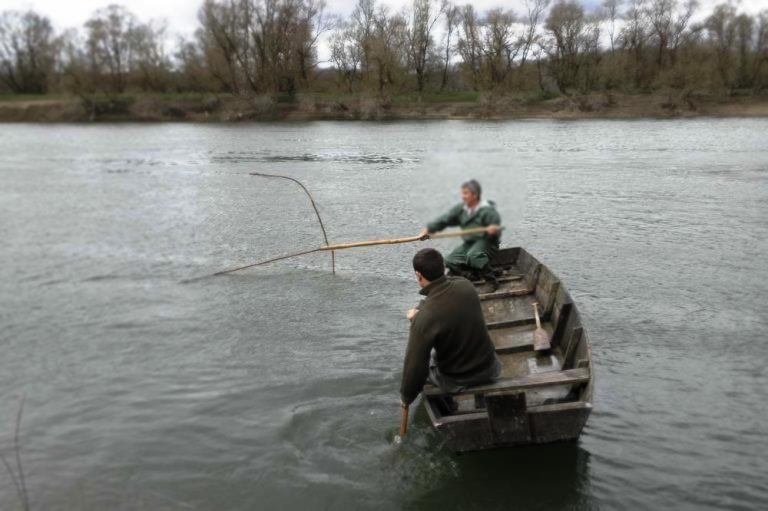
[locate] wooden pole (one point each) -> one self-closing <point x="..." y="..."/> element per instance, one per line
<point x="403" y="420"/>
<point x="409" y="239"/>
<point x="540" y="337"/>
<point x="344" y="246"/>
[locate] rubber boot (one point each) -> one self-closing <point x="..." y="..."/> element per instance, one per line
<point x="490" y="278"/>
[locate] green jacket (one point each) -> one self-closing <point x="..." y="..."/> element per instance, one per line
<point x="450" y="320"/>
<point x="484" y="216"/>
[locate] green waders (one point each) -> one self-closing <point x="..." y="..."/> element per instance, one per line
<point x="473" y="256"/>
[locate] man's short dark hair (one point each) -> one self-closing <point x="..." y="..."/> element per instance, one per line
<point x="473" y="186"/>
<point x="429" y="262"/>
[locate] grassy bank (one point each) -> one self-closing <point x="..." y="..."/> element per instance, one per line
<point x="199" y="107"/>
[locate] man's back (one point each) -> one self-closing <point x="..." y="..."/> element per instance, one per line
<point x="450" y="320"/>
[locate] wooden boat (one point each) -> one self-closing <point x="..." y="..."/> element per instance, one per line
<point x="541" y="396"/>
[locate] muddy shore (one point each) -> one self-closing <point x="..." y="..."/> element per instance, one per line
<point x="223" y="108"/>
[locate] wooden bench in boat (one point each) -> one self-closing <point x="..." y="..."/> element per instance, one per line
<point x="568" y="377"/>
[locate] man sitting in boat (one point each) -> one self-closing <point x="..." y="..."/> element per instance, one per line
<point x="449" y="342"/>
<point x="472" y="258"/>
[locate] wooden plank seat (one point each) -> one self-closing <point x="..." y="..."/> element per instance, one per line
<point x="507" y="277"/>
<point x="506" y="293"/>
<point x="568" y="377"/>
<point x="514" y="339"/>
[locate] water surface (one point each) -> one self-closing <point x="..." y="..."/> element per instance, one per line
<point x="276" y="388"/>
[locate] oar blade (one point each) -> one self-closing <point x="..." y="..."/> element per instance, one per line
<point x="541" y="340"/>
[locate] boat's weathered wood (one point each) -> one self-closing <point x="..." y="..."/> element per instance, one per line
<point x="467" y="434"/>
<point x="511" y="323"/>
<point x="570" y="349"/>
<point x="453" y="418"/>
<point x="546" y="290"/>
<point x="507" y="309"/>
<point x="506" y="257"/>
<point x="559" y="407"/>
<point x="532" y="381"/>
<point x="541" y="340"/>
<point x="551" y="423"/>
<point x="511" y="410"/>
<point x="513" y="339"/>
<point x="508" y="277"/>
<point x="560" y="319"/>
<point x="508" y="293"/>
<point x="508" y="415"/>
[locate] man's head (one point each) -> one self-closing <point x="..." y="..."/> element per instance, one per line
<point x="470" y="193"/>
<point x="428" y="265"/>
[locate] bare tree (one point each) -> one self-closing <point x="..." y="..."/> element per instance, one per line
<point x="152" y="61"/>
<point x="424" y="16"/>
<point x="721" y="26"/>
<point x="109" y="45"/>
<point x="761" y="51"/>
<point x="566" y="24"/>
<point x="534" y="9"/>
<point x="72" y="63"/>
<point x="470" y="45"/>
<point x="363" y="21"/>
<point x="452" y="15"/>
<point x="611" y="13"/>
<point x="222" y="45"/>
<point x="195" y="70"/>
<point x="313" y="22"/>
<point x="634" y="35"/>
<point x="680" y="28"/>
<point x="346" y="55"/>
<point x="389" y="48"/>
<point x="27" y="52"/>
<point x="667" y="26"/>
<point x="500" y="46"/>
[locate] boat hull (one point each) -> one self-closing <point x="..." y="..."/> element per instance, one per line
<point x="541" y="397"/>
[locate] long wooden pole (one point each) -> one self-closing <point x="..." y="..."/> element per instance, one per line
<point x="540" y="337"/>
<point x="344" y="246"/>
<point x="403" y="421"/>
<point x="409" y="239"/>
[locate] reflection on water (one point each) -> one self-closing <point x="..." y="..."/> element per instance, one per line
<point x="276" y="388"/>
<point x="365" y="159"/>
<point x="549" y="477"/>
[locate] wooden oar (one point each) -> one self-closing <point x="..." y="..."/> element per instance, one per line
<point x="343" y="246"/>
<point x="403" y="420"/>
<point x="540" y="336"/>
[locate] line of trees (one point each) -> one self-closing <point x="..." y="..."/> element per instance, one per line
<point x="272" y="46"/>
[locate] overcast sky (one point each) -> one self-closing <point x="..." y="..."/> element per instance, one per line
<point x="182" y="14"/>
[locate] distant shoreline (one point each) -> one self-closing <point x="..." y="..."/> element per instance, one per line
<point x="315" y="107"/>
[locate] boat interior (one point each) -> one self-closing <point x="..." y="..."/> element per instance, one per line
<point x="554" y="376"/>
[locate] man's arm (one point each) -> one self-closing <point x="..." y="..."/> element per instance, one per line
<point x="492" y="218"/>
<point x="416" y="364"/>
<point x="450" y="219"/>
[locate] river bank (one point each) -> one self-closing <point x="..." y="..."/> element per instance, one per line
<point x="462" y="105"/>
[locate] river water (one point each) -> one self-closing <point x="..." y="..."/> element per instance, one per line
<point x="277" y="387"/>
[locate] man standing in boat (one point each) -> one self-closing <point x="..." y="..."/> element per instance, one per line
<point x="449" y="342"/>
<point x="472" y="258"/>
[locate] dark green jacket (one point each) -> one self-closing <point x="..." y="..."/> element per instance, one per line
<point x="450" y="320"/>
<point x="485" y="215"/>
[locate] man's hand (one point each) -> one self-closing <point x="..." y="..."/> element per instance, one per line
<point x="492" y="230"/>
<point x="424" y="234"/>
<point x="411" y="314"/>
